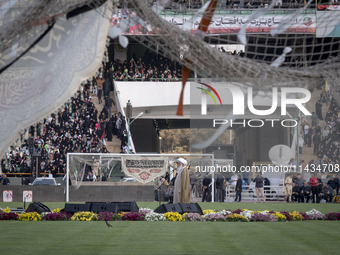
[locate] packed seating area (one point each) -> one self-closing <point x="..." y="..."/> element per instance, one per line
<point x="74" y="128"/>
<point x="324" y="138"/>
<point x="149" y="68"/>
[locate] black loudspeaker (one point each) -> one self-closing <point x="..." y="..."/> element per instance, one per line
<point x="37" y="207"/>
<point x="103" y="207"/>
<point x="180" y="208"/>
<point x="169" y="208"/>
<point x="73" y="208"/>
<point x="115" y="207"/>
<point x="128" y="206"/>
<point x="192" y="208"/>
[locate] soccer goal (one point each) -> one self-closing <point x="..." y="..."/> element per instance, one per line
<point x="143" y="168"/>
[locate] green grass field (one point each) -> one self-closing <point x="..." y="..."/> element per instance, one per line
<point x="309" y="237"/>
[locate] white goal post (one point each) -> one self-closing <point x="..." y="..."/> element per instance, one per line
<point x="158" y="163"/>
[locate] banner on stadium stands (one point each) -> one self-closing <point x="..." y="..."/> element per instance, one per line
<point x="328" y="24"/>
<point x="329" y="7"/>
<point x="144" y="169"/>
<point x="226" y="22"/>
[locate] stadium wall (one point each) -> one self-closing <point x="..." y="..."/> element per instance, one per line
<point x="97" y="193"/>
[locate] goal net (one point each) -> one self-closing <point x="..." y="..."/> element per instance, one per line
<point x="287" y="46"/>
<point x="143" y="168"/>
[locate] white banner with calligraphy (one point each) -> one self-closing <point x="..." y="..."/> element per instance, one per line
<point x="27" y="196"/>
<point x="231" y="22"/>
<point x="144" y="169"/>
<point x="7" y="196"/>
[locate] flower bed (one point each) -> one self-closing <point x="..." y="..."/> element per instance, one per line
<point x="146" y="214"/>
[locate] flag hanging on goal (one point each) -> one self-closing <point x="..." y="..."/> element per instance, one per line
<point x="144" y="169"/>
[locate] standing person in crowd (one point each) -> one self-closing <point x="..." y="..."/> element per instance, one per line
<point x="259" y="182"/>
<point x="233" y="180"/>
<point x="103" y="177"/>
<point x="109" y="103"/>
<point x="336" y="178"/>
<point x="4" y="180"/>
<point x="316" y="142"/>
<point x="182" y="182"/>
<point x="315" y="119"/>
<point x="156" y="185"/>
<point x="238" y="189"/>
<point x="109" y="127"/>
<point x="288" y="188"/>
<point x="301" y="142"/>
<point x="167" y="177"/>
<point x="219" y="188"/>
<point x="206" y="189"/>
<point x="100" y="94"/>
<point x="313" y="181"/>
<point x="318" y="109"/>
<point x="306" y="131"/>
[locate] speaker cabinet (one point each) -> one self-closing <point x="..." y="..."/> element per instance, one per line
<point x="73" y="208"/>
<point x="180" y="208"/>
<point x="191" y="208"/>
<point x="115" y="207"/>
<point x="37" y="207"/>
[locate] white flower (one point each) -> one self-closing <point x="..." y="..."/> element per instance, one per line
<point x="225" y="212"/>
<point x="313" y="211"/>
<point x="246" y="214"/>
<point x="152" y="216"/>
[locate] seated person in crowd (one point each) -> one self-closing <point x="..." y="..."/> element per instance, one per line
<point x="305" y="193"/>
<point x="169" y="194"/>
<point x="295" y="193"/>
<point x="334" y="184"/>
<point x="327" y="193"/>
<point x="91" y="177"/>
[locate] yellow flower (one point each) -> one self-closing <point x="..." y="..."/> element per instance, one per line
<point x="173" y="216"/>
<point x="6" y="210"/>
<point x="30" y="216"/>
<point x="208" y="211"/>
<point x="57" y="210"/>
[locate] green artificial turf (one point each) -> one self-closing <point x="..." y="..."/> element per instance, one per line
<point x="309" y="237"/>
<point x="324" y="208"/>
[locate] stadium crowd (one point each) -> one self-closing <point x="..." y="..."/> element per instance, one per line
<point x="325" y="138"/>
<point x="75" y="128"/>
<point x="148" y="68"/>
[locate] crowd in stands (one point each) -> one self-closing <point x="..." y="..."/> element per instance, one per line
<point x="149" y="68"/>
<point x="325" y="138"/>
<point x="75" y="128"/>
